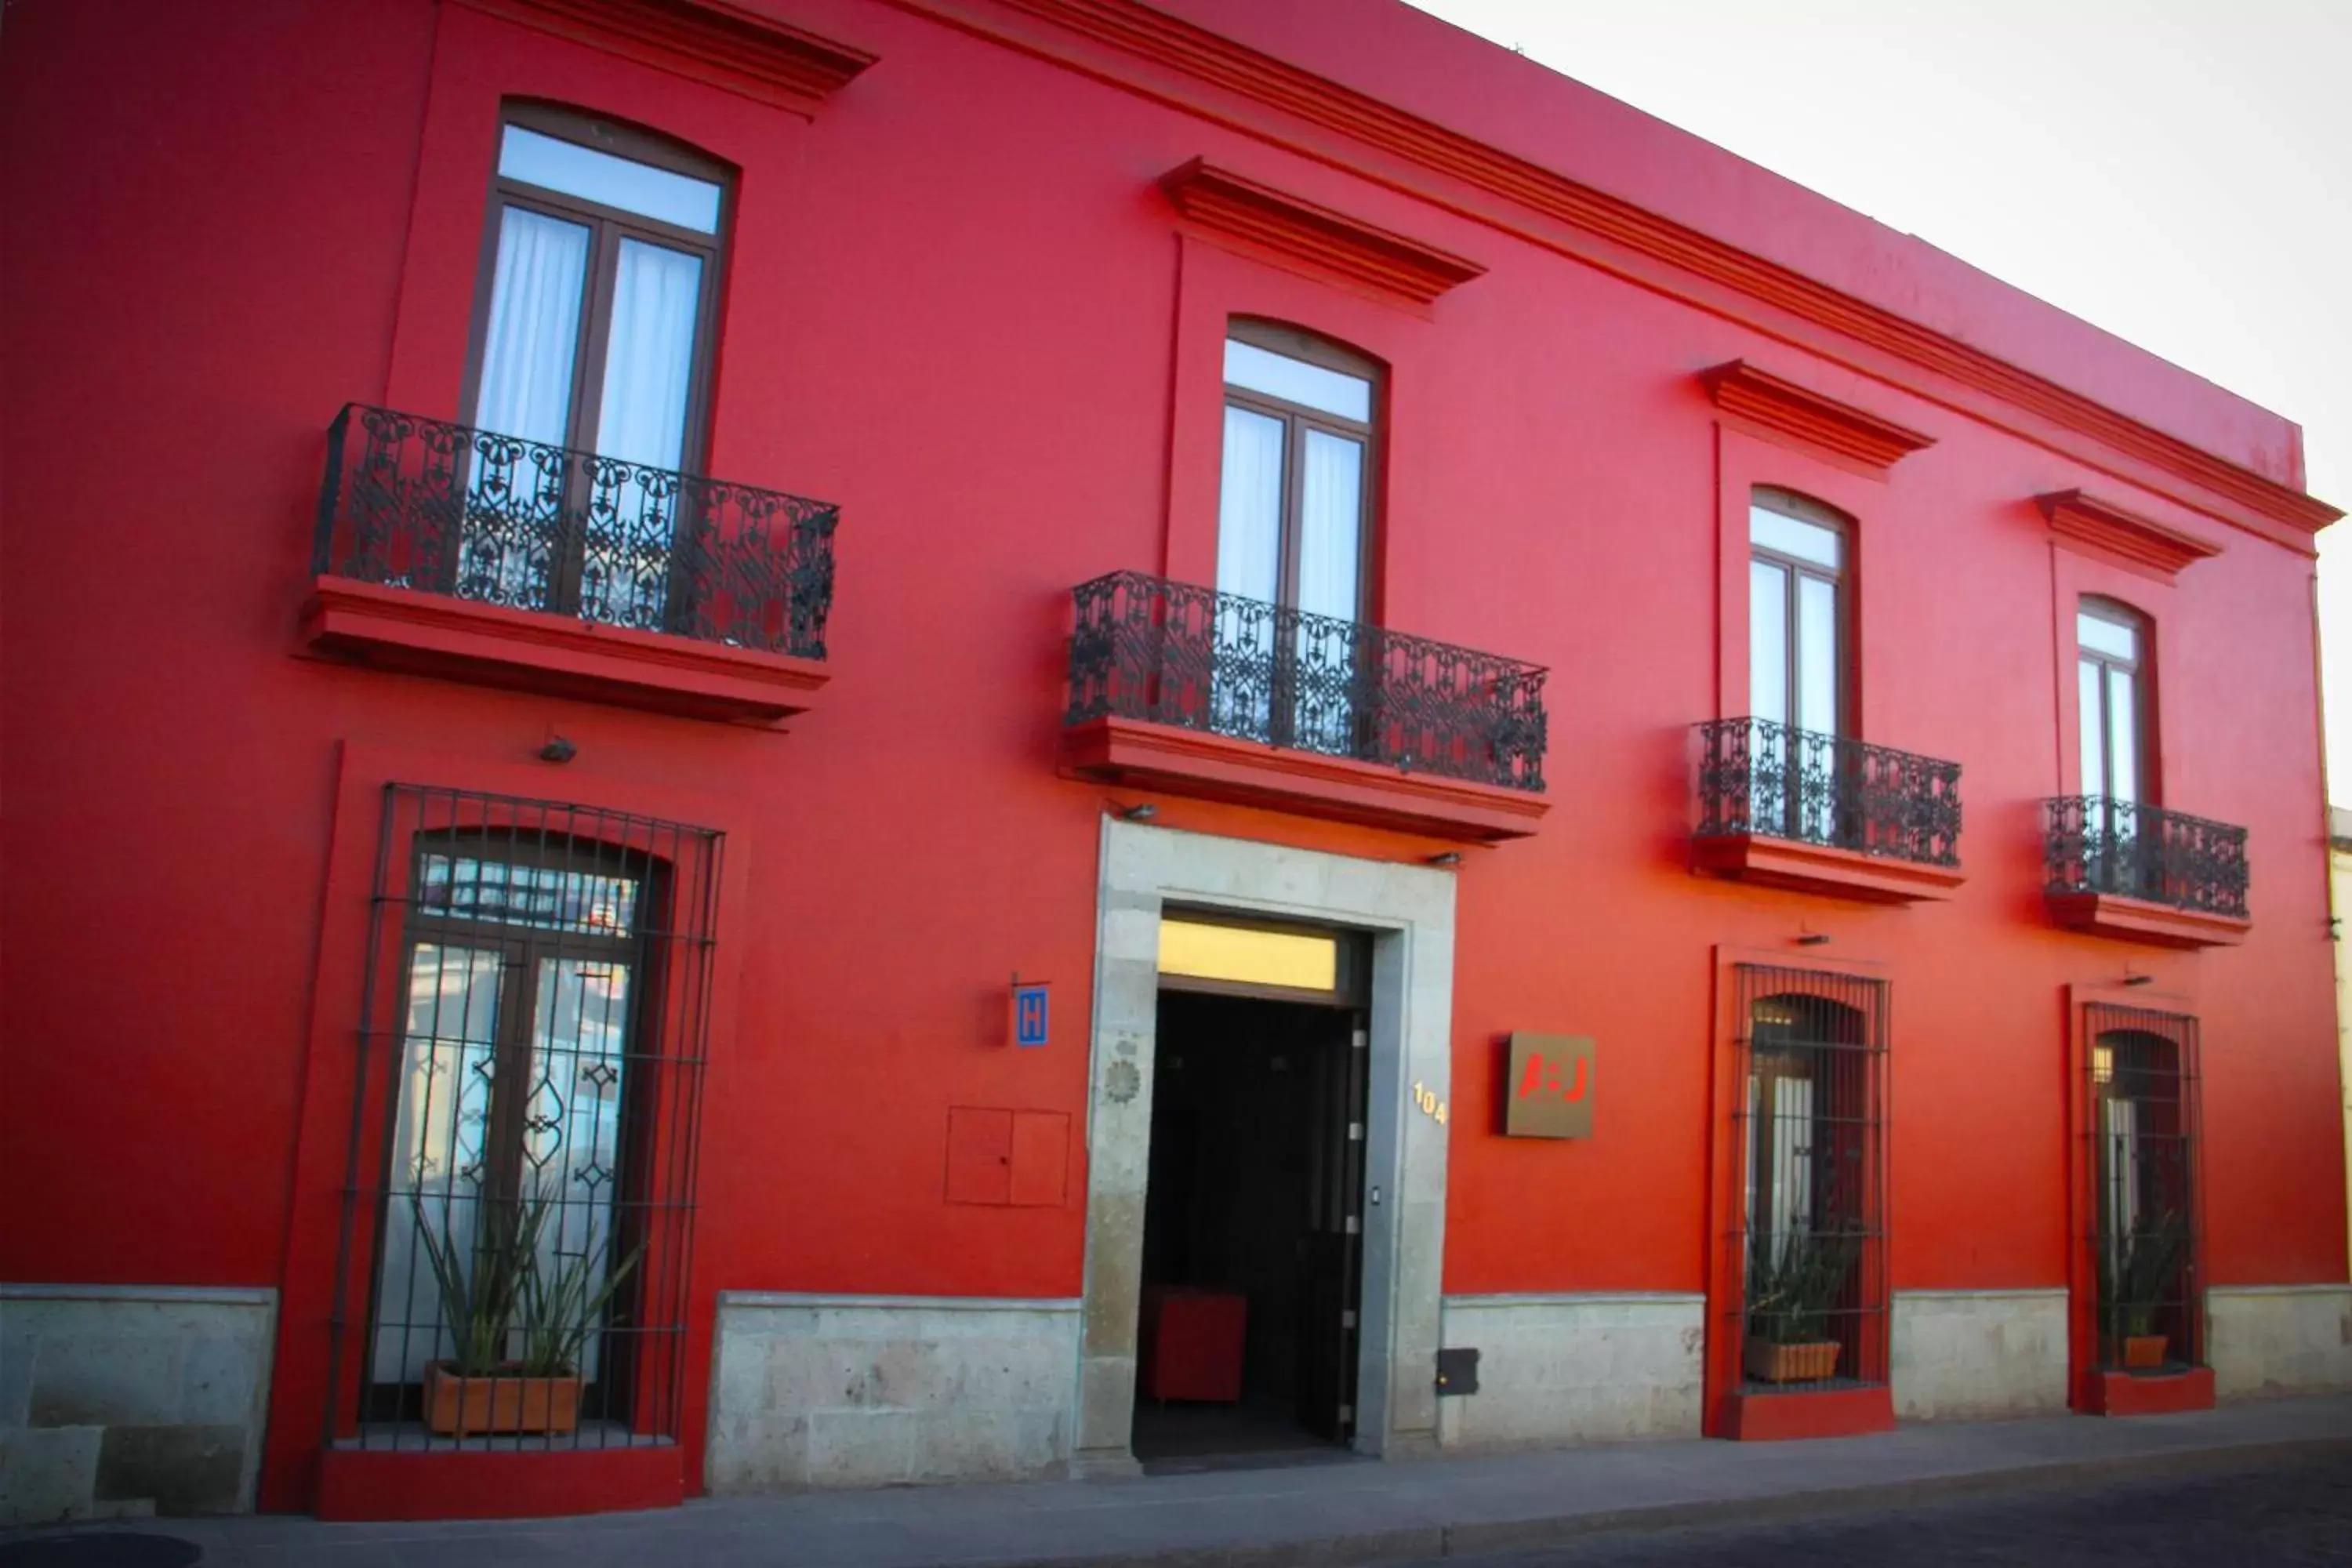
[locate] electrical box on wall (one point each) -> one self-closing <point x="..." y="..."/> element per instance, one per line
<point x="1548" y="1090"/>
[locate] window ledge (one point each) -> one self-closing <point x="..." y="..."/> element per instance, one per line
<point x="2138" y="920"/>
<point x="1246" y="773"/>
<point x="490" y="645"/>
<point x="511" y="1481"/>
<point x="2163" y="1393"/>
<point x="1818" y="868"/>
<point x="1758" y="1415"/>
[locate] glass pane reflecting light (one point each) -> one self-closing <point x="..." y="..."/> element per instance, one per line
<point x="1295" y="381"/>
<point x="1302" y="961"/>
<point x="555" y="165"/>
<point x="461" y="887"/>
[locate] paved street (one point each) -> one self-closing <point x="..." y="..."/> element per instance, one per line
<point x="2293" y="1512"/>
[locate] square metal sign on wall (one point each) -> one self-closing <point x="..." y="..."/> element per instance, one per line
<point x="1548" y="1093"/>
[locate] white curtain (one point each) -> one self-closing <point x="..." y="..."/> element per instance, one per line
<point x="508" y="554"/>
<point x="1330" y="555"/>
<point x="1249" y="566"/>
<point x="641" y="419"/>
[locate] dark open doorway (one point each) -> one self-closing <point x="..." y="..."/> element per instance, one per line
<point x="1253" y="1233"/>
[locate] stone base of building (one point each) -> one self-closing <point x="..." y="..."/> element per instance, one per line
<point x="867" y="1390"/>
<point x="2272" y="1339"/>
<point x="1556" y="1369"/>
<point x="1979" y="1354"/>
<point x="125" y="1400"/>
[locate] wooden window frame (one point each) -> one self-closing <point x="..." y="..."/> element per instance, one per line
<point x="1801" y="509"/>
<point x="607" y="227"/>
<point x="2141" y="669"/>
<point x="1297" y="418"/>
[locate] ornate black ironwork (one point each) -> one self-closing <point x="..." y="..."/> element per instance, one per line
<point x="1755" y="776"/>
<point x="1171" y="653"/>
<point x="422" y="504"/>
<point x="2102" y="845"/>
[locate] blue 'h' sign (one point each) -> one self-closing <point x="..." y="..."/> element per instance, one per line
<point x="1029" y="1015"/>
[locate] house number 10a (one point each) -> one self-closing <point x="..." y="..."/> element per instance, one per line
<point x="1430" y="1106"/>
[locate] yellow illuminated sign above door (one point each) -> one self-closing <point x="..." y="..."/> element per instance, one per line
<point x="1246" y="955"/>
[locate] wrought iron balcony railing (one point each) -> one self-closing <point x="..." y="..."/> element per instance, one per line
<point x="1755" y="776"/>
<point x="444" y="508"/>
<point x="1169" y="653"/>
<point x="2102" y="845"/>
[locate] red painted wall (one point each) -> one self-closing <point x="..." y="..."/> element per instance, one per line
<point x="960" y="306"/>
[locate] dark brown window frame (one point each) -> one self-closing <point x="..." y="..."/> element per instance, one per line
<point x="607" y="226"/>
<point x="1293" y="342"/>
<point x="1803" y="508"/>
<point x="2141" y="668"/>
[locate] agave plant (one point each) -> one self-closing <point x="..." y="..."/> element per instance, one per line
<point x="562" y="1306"/>
<point x="482" y="1284"/>
<point x="1794" y="1282"/>
<point x="2139" y="1273"/>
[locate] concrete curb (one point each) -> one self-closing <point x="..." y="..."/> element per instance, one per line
<point x="1422" y="1543"/>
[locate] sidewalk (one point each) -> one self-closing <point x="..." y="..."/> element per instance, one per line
<point x="1338" y="1513"/>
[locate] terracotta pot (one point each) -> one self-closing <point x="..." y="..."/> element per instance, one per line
<point x="458" y="1407"/>
<point x="2146" y="1350"/>
<point x="1812" y="1362"/>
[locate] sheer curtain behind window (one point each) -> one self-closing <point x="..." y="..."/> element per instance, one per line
<point x="533" y="341"/>
<point x="1329" y="551"/>
<point x="641" y="421"/>
<point x="1249" y="568"/>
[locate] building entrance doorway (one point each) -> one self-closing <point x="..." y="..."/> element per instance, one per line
<point x="1253" y="1257"/>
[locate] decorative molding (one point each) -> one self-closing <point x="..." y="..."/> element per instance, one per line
<point x="490" y="645"/>
<point x="2137" y="919"/>
<point x="715" y="42"/>
<point x="2082" y="520"/>
<point x="1203" y="59"/>
<point x="1309" y="784"/>
<point x="1234" y="205"/>
<point x="1818" y="868"/>
<point x="1805" y="416"/>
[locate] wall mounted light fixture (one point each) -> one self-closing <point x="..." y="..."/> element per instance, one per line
<point x="1445" y="860"/>
<point x="1143" y="811"/>
<point x="557" y="750"/>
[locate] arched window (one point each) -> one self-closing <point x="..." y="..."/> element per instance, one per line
<point x="592" y="334"/>
<point x="1294" y="527"/>
<point x="2144" y="1246"/>
<point x="1813" y="1308"/>
<point x="2112" y="645"/>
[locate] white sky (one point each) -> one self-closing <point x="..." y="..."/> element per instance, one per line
<point x="2178" y="171"/>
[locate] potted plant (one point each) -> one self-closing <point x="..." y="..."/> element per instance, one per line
<point x="499" y="1288"/>
<point x="2138" y="1276"/>
<point x="1793" y="1285"/>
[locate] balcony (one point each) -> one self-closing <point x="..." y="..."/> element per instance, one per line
<point x="1186" y="689"/>
<point x="2123" y="869"/>
<point x="1824" y="814"/>
<point x="447" y="550"/>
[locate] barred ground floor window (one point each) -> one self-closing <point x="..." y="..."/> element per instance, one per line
<point x="518" y="1217"/>
<point x="2145" y="1237"/>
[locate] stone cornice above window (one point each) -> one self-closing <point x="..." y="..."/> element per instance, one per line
<point x="2084" y="523"/>
<point x="1846" y="434"/>
<point x="1303" y="233"/>
<point x="716" y="42"/>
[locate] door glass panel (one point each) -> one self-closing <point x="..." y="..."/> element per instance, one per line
<point x="515" y="498"/>
<point x="2093" y="725"/>
<point x="2123" y="734"/>
<point x="554" y="165"/>
<point x="1330" y="526"/>
<point x="1295" y="381"/>
<point x="1817" y="655"/>
<point x="439" y="1144"/>
<point x="641" y="423"/>
<point x="1249" y="567"/>
<point x="572" y="1126"/>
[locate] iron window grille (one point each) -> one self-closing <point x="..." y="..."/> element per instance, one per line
<point x="1169" y="653"/>
<point x="1772" y="780"/>
<point x="437" y="508"/>
<point x="2100" y="845"/>
<point x="1810" y="1125"/>
<point x="2147" y="1237"/>
<point x="528" y="1081"/>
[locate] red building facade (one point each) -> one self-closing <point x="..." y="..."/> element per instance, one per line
<point x="1420" y="717"/>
